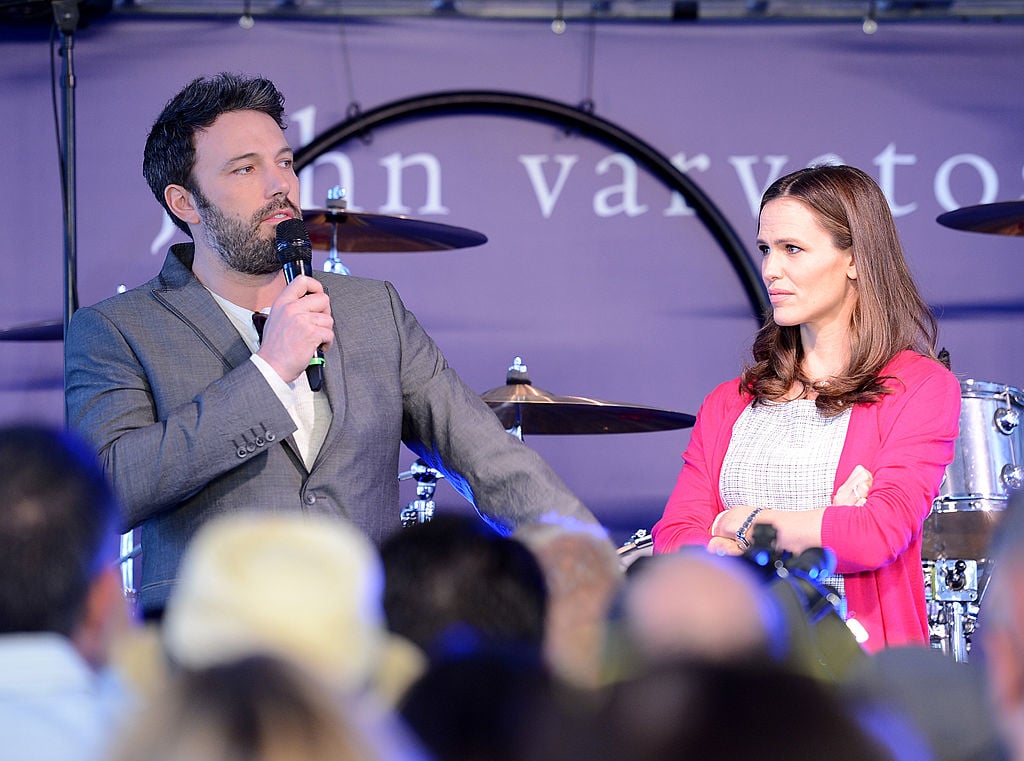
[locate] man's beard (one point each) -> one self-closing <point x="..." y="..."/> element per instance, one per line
<point x="238" y="241"/>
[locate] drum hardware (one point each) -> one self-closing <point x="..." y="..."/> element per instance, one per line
<point x="1011" y="476"/>
<point x="335" y="202"/>
<point x="639" y="545"/>
<point x="524" y="408"/>
<point x="638" y="540"/>
<point x="951" y="627"/>
<point x="953" y="591"/>
<point x="955" y="581"/>
<point x="421" y="509"/>
<point x="1003" y="218"/>
<point x="1006" y="420"/>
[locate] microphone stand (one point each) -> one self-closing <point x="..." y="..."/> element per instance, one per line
<point x="65" y="14"/>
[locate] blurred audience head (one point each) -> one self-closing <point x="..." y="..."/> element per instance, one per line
<point x="724" y="712"/>
<point x="1001" y="625"/>
<point x="307" y="588"/>
<point x="453" y="582"/>
<point x="58" y="524"/>
<point x="495" y="703"/>
<point x="258" y="708"/>
<point x="583" y="577"/>
<point x="698" y="605"/>
<point x="918" y="697"/>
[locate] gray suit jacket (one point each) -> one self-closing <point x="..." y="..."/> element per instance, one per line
<point x="159" y="380"/>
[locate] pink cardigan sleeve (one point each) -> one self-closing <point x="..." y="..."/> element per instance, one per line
<point x="695" y="500"/>
<point x="906" y="440"/>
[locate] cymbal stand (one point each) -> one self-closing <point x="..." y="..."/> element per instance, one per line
<point x="421" y="509"/>
<point x="66" y="17"/>
<point x="954" y="610"/>
<point x="517" y="374"/>
<point x="336" y="201"/>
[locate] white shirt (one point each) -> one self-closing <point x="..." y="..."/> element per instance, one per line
<point x="53" y="706"/>
<point x="784" y="456"/>
<point x="309" y="410"/>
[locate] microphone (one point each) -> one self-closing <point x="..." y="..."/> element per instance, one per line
<point x="816" y="562"/>
<point x="295" y="253"/>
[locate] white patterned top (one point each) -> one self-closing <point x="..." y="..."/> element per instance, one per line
<point x="784" y="456"/>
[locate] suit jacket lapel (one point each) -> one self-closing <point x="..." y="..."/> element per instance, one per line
<point x="334" y="379"/>
<point x="184" y="295"/>
<point x="188" y="299"/>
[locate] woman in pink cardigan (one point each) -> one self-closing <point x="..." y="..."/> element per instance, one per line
<point x="839" y="432"/>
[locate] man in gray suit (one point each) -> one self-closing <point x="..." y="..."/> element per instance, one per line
<point x="192" y="415"/>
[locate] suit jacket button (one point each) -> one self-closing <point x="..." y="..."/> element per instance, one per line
<point x="310" y="499"/>
<point x="241" y="452"/>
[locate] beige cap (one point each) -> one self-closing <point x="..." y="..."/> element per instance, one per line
<point x="303" y="587"/>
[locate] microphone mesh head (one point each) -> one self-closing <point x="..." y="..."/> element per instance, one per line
<point x="293" y="241"/>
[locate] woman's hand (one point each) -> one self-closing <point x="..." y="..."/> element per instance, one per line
<point x="854" y="490"/>
<point x="720" y="545"/>
<point x="728" y="522"/>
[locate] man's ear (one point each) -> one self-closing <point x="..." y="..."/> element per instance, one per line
<point x="182" y="204"/>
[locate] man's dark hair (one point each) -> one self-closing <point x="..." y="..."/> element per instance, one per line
<point x="454" y="583"/>
<point x="170" y="153"/>
<point x="57" y="511"/>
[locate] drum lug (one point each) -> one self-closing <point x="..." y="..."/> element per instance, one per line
<point x="1006" y="420"/>
<point x="1012" y="476"/>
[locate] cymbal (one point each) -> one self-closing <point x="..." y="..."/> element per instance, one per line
<point x="377" y="233"/>
<point x="1003" y="218"/>
<point x="537" y="411"/>
<point x="48" y="330"/>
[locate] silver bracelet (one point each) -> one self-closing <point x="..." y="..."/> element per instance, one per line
<point x="741" y="534"/>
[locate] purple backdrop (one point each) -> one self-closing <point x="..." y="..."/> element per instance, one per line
<point x="606" y="284"/>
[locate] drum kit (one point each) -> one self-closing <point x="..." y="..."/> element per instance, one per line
<point x="987" y="468"/>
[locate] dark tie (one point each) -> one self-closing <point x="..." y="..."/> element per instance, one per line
<point x="259" y="320"/>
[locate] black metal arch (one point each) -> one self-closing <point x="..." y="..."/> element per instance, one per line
<point x="578" y="119"/>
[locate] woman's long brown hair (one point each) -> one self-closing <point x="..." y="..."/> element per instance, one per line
<point x="889" y="315"/>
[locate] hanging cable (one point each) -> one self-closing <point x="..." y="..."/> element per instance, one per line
<point x="589" y="46"/>
<point x="354" y="110"/>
